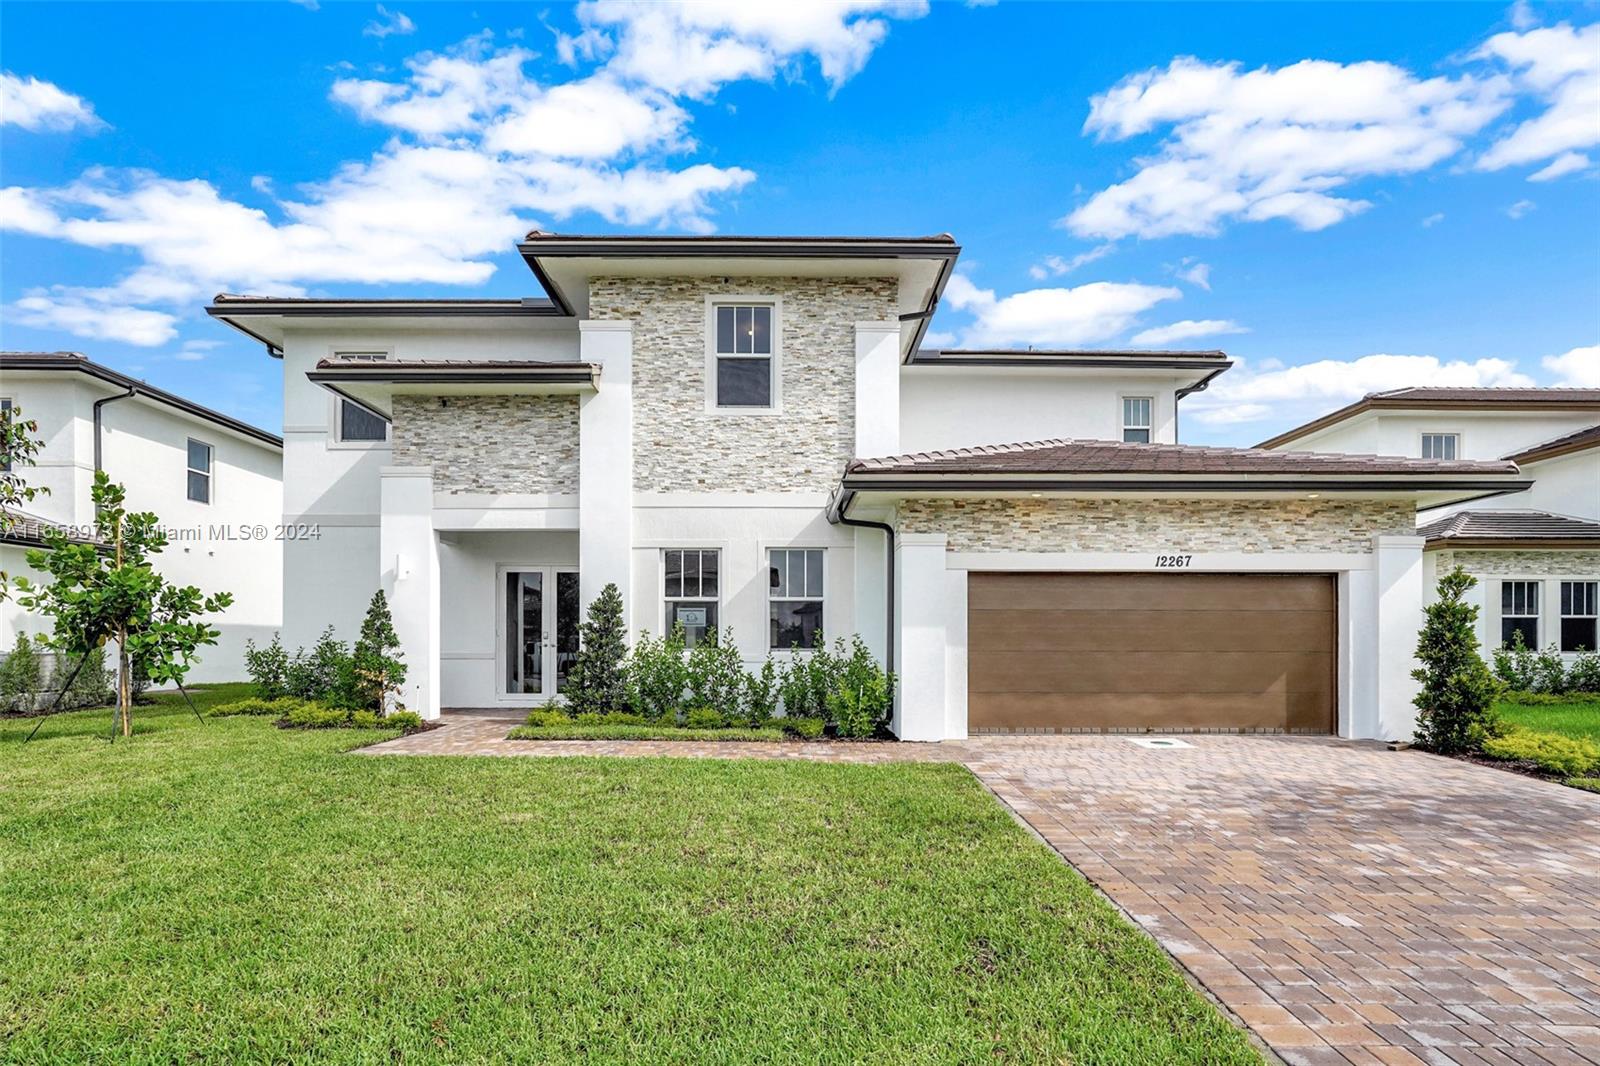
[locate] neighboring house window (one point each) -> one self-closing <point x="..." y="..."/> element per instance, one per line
<point x="1519" y="612"/>
<point x="199" y="471"/>
<point x="1440" y="445"/>
<point x="691" y="591"/>
<point x="356" y="424"/>
<point x="743" y="355"/>
<point x="1579" y="600"/>
<point x="5" y="419"/>
<point x="1136" y="419"/>
<point x="794" y="597"/>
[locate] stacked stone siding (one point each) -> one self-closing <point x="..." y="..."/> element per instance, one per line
<point x="1516" y="561"/>
<point x="678" y="446"/>
<point x="995" y="525"/>
<point x="490" y="444"/>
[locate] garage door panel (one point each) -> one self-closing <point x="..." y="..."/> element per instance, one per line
<point x="1151" y="651"/>
<point x="1024" y="591"/>
<point x="1100" y="630"/>
<point x="1294" y="712"/>
<point x="1151" y="671"/>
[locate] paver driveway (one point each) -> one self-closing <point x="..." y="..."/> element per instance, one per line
<point x="1349" y="903"/>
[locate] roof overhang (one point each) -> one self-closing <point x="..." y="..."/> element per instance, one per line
<point x="1198" y="369"/>
<point x="1426" y="491"/>
<point x="266" y="319"/>
<point x="1517" y="543"/>
<point x="374" y="385"/>
<point x="1369" y="406"/>
<point x="922" y="265"/>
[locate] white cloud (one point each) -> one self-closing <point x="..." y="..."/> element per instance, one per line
<point x="1188" y="329"/>
<point x="1297" y="393"/>
<point x="692" y="49"/>
<point x="1578" y="368"/>
<point x="39" y="106"/>
<point x="80" y="313"/>
<point x="1196" y="274"/>
<point x="388" y="24"/>
<point x="1560" y="67"/>
<point x="1086" y="314"/>
<point x="1520" y="208"/>
<point x="1053" y="266"/>
<point x="1272" y="143"/>
<point x="1433" y="220"/>
<point x="194" y="351"/>
<point x="1562" y="165"/>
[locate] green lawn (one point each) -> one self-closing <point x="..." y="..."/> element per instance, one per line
<point x="1579" y="717"/>
<point x="233" y="892"/>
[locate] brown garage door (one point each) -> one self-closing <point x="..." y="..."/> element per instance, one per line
<point x="1150" y="651"/>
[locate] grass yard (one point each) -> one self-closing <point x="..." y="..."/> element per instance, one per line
<point x="238" y="893"/>
<point x="1578" y="717"/>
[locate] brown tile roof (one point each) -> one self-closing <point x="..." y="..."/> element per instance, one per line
<point x="1503" y="527"/>
<point x="1115" y="457"/>
<point x="1448" y="398"/>
<point x="1576" y="441"/>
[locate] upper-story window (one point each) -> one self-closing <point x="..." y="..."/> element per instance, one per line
<point x="1136" y="419"/>
<point x="1440" y="445"/>
<point x="355" y="424"/>
<point x="5" y="420"/>
<point x="199" y="471"/>
<point x="743" y="364"/>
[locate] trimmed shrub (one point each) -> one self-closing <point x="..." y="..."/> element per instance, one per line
<point x="268" y="668"/>
<point x="323" y="674"/>
<point x="625" y="718"/>
<point x="308" y="715"/>
<point x="376" y="670"/>
<point x="255" y="705"/>
<point x="761" y="694"/>
<point x="861" y="695"/>
<point x="588" y="718"/>
<point x="402" y="719"/>
<point x="365" y="719"/>
<point x="1584" y="674"/>
<point x="1549" y="671"/>
<point x="703" y="718"/>
<point x="657" y="675"/>
<point x="716" y="675"/>
<point x="803" y="727"/>
<point x="1549" y="699"/>
<point x="1455" y="708"/>
<point x="545" y="716"/>
<point x="92" y="685"/>
<point x="1551" y="752"/>
<point x="596" y="682"/>
<point x="1513" y="664"/>
<point x="22" y="677"/>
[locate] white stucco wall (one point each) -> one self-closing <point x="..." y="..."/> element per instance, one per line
<point x="1484" y="434"/>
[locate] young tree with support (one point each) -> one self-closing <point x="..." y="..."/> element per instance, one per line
<point x="110" y="592"/>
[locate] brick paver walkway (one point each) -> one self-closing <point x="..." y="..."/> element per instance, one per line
<point x="1350" y="904"/>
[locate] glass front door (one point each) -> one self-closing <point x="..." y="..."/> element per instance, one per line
<point x="540" y="630"/>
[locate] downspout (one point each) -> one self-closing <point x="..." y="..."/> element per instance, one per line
<point x="840" y="517"/>
<point x="1199" y="386"/>
<point x="97" y="422"/>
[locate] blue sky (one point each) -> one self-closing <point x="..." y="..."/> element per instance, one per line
<point x="1344" y="197"/>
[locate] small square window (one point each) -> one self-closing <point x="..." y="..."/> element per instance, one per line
<point x="742" y="356"/>
<point x="199" y="471"/>
<point x="1136" y="419"/>
<point x="1440" y="445"/>
<point x="357" y="424"/>
<point x="795" y="597"/>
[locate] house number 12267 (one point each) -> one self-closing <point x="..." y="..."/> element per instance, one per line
<point x="1172" y="562"/>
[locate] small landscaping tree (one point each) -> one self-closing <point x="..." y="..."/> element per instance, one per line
<point x="21" y="676"/>
<point x="111" y="592"/>
<point x="1456" y="705"/>
<point x="19" y="449"/>
<point x="596" y="684"/>
<point x="376" y="665"/>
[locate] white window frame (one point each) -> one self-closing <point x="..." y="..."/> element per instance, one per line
<point x="722" y="583"/>
<point x="1593" y="615"/>
<point x="1422" y="444"/>
<point x="1537" y="609"/>
<point x="209" y="472"/>
<point x="1149" y="427"/>
<point x="820" y="600"/>
<point x="336" y="405"/>
<point x="775" y="358"/>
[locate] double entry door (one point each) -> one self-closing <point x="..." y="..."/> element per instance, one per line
<point x="539" y="629"/>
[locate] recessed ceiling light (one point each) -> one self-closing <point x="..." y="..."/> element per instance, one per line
<point x="1036" y="495"/>
<point x="1312" y="495"/>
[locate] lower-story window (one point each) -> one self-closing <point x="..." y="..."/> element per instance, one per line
<point x="1579" y="600"/>
<point x="691" y="592"/>
<point x="794" y="598"/>
<point x="1519" y="612"/>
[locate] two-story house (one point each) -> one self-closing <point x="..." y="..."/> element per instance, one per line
<point x="1536" y="552"/>
<point x="746" y="433"/>
<point x="215" y="483"/>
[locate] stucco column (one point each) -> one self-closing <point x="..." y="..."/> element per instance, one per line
<point x="408" y="561"/>
<point x="1397" y="581"/>
<point x="920" y="613"/>
<point x="877" y="389"/>
<point x="605" y="466"/>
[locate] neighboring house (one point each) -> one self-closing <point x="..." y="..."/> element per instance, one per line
<point x="215" y="483"/>
<point x="745" y="432"/>
<point x="1535" y="552"/>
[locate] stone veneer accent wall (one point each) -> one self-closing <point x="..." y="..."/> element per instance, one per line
<point x="1554" y="563"/>
<point x="976" y="525"/>
<point x="680" y="447"/>
<point x="490" y="444"/>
